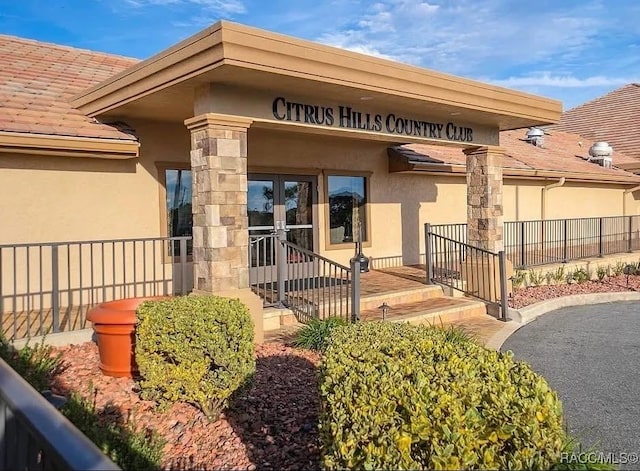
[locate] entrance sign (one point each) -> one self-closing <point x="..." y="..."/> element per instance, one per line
<point x="349" y="118"/>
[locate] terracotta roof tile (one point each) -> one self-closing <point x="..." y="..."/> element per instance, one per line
<point x="561" y="152"/>
<point x="37" y="79"/>
<point x="614" y="118"/>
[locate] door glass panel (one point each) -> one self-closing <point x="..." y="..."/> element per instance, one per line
<point x="260" y="203"/>
<point x="302" y="237"/>
<point x="298" y="203"/>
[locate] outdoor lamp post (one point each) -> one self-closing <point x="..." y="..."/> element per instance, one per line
<point x="359" y="256"/>
<point x="385" y="309"/>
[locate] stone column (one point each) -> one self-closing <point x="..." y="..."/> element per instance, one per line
<point x="220" y="222"/>
<point x="484" y="197"/>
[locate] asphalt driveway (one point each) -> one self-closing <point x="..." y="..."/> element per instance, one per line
<point x="591" y="356"/>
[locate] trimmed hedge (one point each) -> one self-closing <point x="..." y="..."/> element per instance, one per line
<point x="194" y="349"/>
<point x="395" y="396"/>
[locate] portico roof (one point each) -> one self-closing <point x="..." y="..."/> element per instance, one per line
<point x="230" y="54"/>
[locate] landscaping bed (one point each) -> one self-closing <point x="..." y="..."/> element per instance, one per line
<point x="271" y="425"/>
<point x="526" y="296"/>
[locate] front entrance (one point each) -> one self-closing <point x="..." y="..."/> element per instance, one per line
<point x="283" y="201"/>
<point x="273" y="202"/>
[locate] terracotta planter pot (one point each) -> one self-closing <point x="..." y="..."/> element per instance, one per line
<point x="114" y="323"/>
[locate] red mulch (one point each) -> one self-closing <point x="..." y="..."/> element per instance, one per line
<point x="533" y="294"/>
<point x="273" y="425"/>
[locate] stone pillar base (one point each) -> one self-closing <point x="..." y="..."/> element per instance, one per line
<point x="249" y="299"/>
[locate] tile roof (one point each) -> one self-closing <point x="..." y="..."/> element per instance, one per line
<point x="37" y="79"/>
<point x="561" y="152"/>
<point x="614" y="118"/>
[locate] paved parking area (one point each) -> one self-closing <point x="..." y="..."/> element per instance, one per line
<point x="591" y="356"/>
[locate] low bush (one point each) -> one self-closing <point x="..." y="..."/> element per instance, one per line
<point x="36" y="364"/>
<point x="536" y="278"/>
<point x="602" y="272"/>
<point x="315" y="335"/>
<point x="129" y="448"/>
<point x="395" y="396"/>
<point x="518" y="279"/>
<point x="194" y="349"/>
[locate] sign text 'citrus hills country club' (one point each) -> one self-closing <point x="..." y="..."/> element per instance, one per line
<point x="349" y="118"/>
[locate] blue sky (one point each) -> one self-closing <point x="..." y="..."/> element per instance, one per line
<point x="570" y="50"/>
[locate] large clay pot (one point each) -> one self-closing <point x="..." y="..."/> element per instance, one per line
<point x="114" y="323"/>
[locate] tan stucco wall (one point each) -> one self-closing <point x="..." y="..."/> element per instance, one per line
<point x="44" y="199"/>
<point x="56" y="199"/>
<point x="402" y="203"/>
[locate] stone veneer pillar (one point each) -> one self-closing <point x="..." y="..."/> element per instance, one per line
<point x="220" y="222"/>
<point x="484" y="197"/>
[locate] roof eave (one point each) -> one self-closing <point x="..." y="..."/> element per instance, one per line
<point x="395" y="166"/>
<point x="68" y="146"/>
<point x="253" y="48"/>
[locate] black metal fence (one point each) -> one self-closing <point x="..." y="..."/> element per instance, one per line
<point x="312" y="286"/>
<point x="474" y="271"/>
<point x="540" y="242"/>
<point x="49" y="287"/>
<point x="34" y="435"/>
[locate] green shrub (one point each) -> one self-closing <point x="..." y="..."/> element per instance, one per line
<point x="194" y="349"/>
<point x="558" y="275"/>
<point x="37" y="364"/>
<point x="536" y="278"/>
<point x="395" y="396"/>
<point x="581" y="275"/>
<point x="315" y="334"/>
<point x="618" y="268"/>
<point x="518" y="279"/>
<point x="128" y="448"/>
<point x="602" y="272"/>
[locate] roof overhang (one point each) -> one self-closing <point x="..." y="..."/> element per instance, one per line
<point x="67" y="146"/>
<point x="403" y="163"/>
<point x="163" y="86"/>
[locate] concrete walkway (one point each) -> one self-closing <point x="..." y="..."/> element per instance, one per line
<point x="591" y="356"/>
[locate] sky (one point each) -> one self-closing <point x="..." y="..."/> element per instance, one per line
<point x="570" y="50"/>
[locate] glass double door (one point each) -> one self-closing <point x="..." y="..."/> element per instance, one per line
<point x="287" y="201"/>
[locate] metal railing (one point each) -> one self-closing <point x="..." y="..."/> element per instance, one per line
<point x="35" y="435"/>
<point x="49" y="287"/>
<point x="540" y="242"/>
<point x="312" y="286"/>
<point x="474" y="271"/>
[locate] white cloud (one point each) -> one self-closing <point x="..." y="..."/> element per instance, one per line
<point x="218" y="6"/>
<point x="562" y="81"/>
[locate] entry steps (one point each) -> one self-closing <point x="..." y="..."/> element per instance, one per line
<point x="407" y="301"/>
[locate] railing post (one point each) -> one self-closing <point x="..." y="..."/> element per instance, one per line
<point x="55" y="289"/>
<point x="183" y="266"/>
<point x="428" y="255"/>
<point x="355" y="290"/>
<point x="522" y="244"/>
<point x="600" y="238"/>
<point x="566" y="240"/>
<point x="630" y="245"/>
<point x="281" y="261"/>
<point x="504" y="302"/>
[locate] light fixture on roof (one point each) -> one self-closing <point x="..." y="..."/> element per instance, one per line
<point x="601" y="153"/>
<point x="535" y="136"/>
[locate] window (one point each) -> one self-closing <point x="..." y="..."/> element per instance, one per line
<point x="347" y="208"/>
<point x="179" y="214"/>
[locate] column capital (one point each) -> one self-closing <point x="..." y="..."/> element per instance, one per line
<point x="218" y="121"/>
<point x="483" y="150"/>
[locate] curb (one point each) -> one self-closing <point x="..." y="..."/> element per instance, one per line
<point x="529" y="313"/>
<point x="523" y="316"/>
